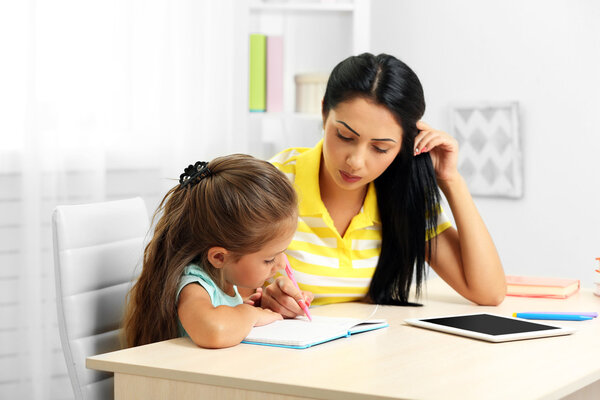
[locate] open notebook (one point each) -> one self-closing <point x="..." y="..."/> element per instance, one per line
<point x="299" y="333"/>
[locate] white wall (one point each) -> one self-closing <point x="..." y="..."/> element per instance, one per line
<point x="546" y="56"/>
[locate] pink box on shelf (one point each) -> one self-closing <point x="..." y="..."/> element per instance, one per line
<point x="274" y="73"/>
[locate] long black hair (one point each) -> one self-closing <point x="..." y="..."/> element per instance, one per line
<point x="407" y="193"/>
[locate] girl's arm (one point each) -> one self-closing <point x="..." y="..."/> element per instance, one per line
<point x="465" y="257"/>
<point x="218" y="327"/>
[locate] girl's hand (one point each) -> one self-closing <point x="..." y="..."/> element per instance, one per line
<point x="266" y="317"/>
<point x="255" y="298"/>
<point x="442" y="148"/>
<point x="282" y="296"/>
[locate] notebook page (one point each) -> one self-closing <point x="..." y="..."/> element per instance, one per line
<point x="301" y="332"/>
<point x="365" y="326"/>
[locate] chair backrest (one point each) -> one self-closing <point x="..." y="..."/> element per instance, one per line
<point x="97" y="255"/>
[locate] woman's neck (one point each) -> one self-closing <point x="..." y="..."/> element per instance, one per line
<point x="341" y="204"/>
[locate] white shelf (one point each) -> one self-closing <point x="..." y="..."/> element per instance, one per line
<point x="273" y="132"/>
<point x="317" y="7"/>
<point x="317" y="36"/>
<point x="285" y="115"/>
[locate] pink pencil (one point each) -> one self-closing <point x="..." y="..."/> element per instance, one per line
<point x="290" y="275"/>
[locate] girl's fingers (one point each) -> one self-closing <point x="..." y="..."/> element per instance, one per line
<point x="285" y="311"/>
<point x="291" y="296"/>
<point x="308" y="297"/>
<point x="283" y="297"/>
<point x="277" y="305"/>
<point x="290" y="289"/>
<point x="255" y="298"/>
<point x="274" y="298"/>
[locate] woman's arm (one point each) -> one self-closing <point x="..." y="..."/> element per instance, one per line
<point x="218" y="327"/>
<point x="465" y="257"/>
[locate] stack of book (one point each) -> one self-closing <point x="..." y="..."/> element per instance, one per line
<point x="529" y="286"/>
<point x="597" y="278"/>
<point x="266" y="73"/>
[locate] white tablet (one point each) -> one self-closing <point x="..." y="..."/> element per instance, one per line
<point x="489" y="327"/>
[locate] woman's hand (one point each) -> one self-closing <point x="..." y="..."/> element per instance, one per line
<point x="282" y="296"/>
<point x="443" y="149"/>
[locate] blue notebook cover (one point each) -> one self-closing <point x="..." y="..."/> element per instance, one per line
<point x="299" y="333"/>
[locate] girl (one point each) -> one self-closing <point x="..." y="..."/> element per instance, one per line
<point x="225" y="225"/>
<point x="369" y="214"/>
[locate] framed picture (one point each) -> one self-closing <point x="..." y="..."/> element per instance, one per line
<point x="490" y="156"/>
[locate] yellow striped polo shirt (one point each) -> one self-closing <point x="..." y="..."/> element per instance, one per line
<point x="334" y="268"/>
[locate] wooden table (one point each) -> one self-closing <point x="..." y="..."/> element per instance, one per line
<point x="399" y="362"/>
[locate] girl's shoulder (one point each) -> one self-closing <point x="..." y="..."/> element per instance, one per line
<point x="195" y="269"/>
<point x="195" y="273"/>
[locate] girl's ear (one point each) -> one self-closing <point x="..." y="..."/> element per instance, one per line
<point x="216" y="256"/>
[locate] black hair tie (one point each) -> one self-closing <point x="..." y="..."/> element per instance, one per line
<point x="194" y="173"/>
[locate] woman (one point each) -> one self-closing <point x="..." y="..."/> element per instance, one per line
<point x="369" y="214"/>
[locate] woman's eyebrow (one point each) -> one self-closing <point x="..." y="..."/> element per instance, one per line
<point x="357" y="134"/>
<point x="347" y="126"/>
<point x="384" y="140"/>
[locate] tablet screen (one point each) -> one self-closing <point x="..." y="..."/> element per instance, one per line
<point x="490" y="327"/>
<point x="489" y="324"/>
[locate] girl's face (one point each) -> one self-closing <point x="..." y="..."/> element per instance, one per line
<point x="253" y="269"/>
<point x="361" y="141"/>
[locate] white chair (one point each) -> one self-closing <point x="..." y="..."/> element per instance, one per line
<point x="97" y="254"/>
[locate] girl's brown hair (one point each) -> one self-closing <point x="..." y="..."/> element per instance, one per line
<point x="241" y="205"/>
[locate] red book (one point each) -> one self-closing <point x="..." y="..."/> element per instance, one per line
<point x="538" y="286"/>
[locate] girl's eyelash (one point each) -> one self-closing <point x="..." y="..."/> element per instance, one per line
<point x="377" y="149"/>
<point x="270" y="261"/>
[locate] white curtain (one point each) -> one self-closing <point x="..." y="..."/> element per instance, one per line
<point x="98" y="100"/>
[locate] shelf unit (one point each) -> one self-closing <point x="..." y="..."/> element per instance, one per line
<point x="316" y="36"/>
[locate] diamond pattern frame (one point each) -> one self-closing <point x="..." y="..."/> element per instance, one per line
<point x="490" y="156"/>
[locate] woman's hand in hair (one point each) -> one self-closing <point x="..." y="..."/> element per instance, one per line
<point x="282" y="296"/>
<point x="442" y="148"/>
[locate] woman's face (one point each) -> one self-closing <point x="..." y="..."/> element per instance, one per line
<point x="361" y="141"/>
